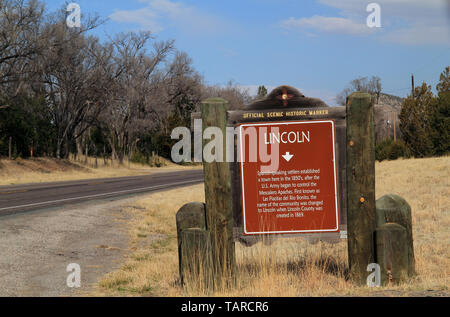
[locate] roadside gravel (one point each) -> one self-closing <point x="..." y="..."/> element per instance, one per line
<point x="36" y="247"/>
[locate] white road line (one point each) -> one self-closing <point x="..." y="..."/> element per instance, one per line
<point x="100" y="195"/>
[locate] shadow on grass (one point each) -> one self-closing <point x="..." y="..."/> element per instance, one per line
<point x="326" y="265"/>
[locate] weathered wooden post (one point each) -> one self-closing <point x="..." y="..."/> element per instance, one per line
<point x="360" y="184"/>
<point x="196" y="257"/>
<point x="219" y="214"/>
<point x="392" y="252"/>
<point x="190" y="216"/>
<point x="10" y="149"/>
<point x="394" y="209"/>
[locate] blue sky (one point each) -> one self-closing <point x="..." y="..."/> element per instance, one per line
<point x="317" y="46"/>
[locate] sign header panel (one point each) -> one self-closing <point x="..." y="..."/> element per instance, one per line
<point x="288" y="177"/>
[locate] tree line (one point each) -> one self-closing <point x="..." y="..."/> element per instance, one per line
<point x="63" y="90"/>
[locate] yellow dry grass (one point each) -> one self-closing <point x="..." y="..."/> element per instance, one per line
<point x="291" y="266"/>
<point x="41" y="170"/>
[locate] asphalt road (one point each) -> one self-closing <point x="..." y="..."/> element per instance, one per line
<point x="21" y="198"/>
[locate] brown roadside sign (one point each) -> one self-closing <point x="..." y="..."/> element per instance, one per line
<point x="288" y="177"/>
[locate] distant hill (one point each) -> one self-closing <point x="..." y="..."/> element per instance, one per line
<point x="392" y="101"/>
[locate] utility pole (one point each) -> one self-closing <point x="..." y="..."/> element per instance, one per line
<point x="412" y="86"/>
<point x="395" y="128"/>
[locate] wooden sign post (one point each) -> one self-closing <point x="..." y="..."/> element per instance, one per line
<point x="309" y="169"/>
<point x="360" y="184"/>
<point x="219" y="211"/>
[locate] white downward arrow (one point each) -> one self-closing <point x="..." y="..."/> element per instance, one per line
<point x="288" y="156"/>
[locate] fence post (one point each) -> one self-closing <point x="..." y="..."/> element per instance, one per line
<point x="195" y="252"/>
<point x="360" y="184"/>
<point x="190" y="216"/>
<point x="219" y="215"/>
<point x="394" y="209"/>
<point x="10" y="148"/>
<point x="392" y="252"/>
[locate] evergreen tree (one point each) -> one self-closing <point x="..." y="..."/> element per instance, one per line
<point x="262" y="92"/>
<point x="440" y="121"/>
<point x="415" y="121"/>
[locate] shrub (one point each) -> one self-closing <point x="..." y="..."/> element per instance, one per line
<point x="140" y="158"/>
<point x="390" y="150"/>
<point x="153" y="160"/>
<point x="157" y="161"/>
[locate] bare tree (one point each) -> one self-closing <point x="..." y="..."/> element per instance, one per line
<point x="20" y="25"/>
<point x="135" y="79"/>
<point x="374" y="86"/>
<point x="183" y="86"/>
<point x="363" y="84"/>
<point x="236" y="96"/>
<point x="71" y="76"/>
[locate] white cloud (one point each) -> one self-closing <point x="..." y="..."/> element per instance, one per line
<point x="409" y="22"/>
<point x="420" y="35"/>
<point x="418" y="8"/>
<point x="334" y="25"/>
<point x="160" y="14"/>
<point x="146" y="19"/>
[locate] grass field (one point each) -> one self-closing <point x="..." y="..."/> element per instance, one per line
<point x="292" y="267"/>
<point x="40" y="170"/>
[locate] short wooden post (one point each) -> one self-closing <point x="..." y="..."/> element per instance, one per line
<point x="196" y="259"/>
<point x="189" y="216"/>
<point x="104" y="155"/>
<point x="360" y="184"/>
<point x="392" y="252"/>
<point x="219" y="215"/>
<point x="394" y="209"/>
<point x="86" y="154"/>
<point x="10" y="148"/>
